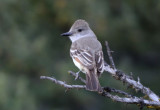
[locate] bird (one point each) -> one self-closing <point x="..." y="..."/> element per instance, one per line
<point x="86" y="53"/>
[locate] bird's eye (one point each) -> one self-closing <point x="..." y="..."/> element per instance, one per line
<point x="79" y="30"/>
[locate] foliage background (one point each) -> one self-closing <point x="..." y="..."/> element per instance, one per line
<point x="31" y="46"/>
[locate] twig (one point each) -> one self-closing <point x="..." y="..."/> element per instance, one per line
<point x="63" y="83"/>
<point x="74" y="74"/>
<point x="110" y="56"/>
<point x="134" y="100"/>
<point x="108" y="89"/>
<point x="129" y="80"/>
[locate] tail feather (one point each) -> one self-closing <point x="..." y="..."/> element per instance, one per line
<point x="92" y="82"/>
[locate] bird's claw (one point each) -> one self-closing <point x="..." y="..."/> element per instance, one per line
<point x="77" y="75"/>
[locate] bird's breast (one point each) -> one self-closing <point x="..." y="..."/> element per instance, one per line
<point x="80" y="66"/>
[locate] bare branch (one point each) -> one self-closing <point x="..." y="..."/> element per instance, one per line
<point x="119" y="75"/>
<point x="63" y="83"/>
<point x="110" y="56"/>
<point x="74" y="74"/>
<point x="106" y="93"/>
<point x="108" y="89"/>
<point x="134" y="100"/>
<point x="129" y="80"/>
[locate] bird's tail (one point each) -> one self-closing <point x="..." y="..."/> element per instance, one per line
<point x="92" y="82"/>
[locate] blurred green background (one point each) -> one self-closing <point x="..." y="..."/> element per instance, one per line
<point x="31" y="46"/>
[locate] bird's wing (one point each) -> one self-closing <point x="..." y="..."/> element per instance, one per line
<point x="82" y="56"/>
<point x="99" y="62"/>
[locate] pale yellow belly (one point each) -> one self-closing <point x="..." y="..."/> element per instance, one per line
<point x="81" y="68"/>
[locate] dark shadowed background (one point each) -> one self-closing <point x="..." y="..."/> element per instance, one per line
<point x="31" y="46"/>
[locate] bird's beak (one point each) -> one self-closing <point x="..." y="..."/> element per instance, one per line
<point x="67" y="34"/>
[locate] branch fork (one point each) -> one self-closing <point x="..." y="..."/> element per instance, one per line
<point x="153" y="101"/>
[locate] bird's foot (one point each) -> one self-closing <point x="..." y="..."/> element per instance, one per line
<point x="77" y="75"/>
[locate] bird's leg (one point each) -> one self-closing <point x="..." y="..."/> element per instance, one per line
<point x="77" y="75"/>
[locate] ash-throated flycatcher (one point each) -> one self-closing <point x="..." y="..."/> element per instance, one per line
<point x="86" y="52"/>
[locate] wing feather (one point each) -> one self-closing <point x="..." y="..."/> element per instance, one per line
<point x="99" y="62"/>
<point x="83" y="55"/>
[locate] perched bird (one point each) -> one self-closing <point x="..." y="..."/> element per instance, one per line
<point x="86" y="52"/>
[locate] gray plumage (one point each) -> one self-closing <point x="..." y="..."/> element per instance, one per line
<point x="86" y="52"/>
